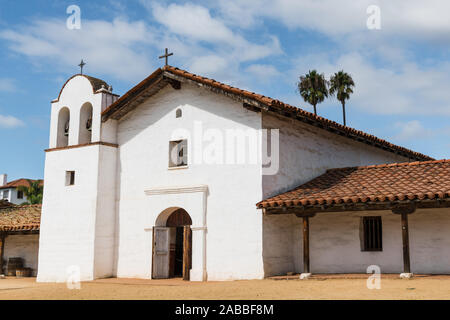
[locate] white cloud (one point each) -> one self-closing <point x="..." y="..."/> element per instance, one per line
<point x="412" y="130"/>
<point x="413" y="18"/>
<point x="262" y="71"/>
<point x="197" y="25"/>
<point x="193" y="21"/>
<point x="109" y="47"/>
<point x="7" y="85"/>
<point x="10" y="122"/>
<point x="129" y="49"/>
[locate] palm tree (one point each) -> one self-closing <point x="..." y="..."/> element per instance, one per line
<point x="313" y="87"/>
<point x="341" y="83"/>
<point x="34" y="192"/>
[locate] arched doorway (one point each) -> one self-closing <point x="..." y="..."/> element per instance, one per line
<point x="172" y="244"/>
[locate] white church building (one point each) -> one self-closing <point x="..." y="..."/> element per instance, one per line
<point x="184" y="176"/>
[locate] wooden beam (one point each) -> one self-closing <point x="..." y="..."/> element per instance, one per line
<point x="2" y="253"/>
<point x="398" y="206"/>
<point x="251" y="107"/>
<point x="306" y="268"/>
<point x="175" y="84"/>
<point x="405" y="239"/>
<point x="404" y="209"/>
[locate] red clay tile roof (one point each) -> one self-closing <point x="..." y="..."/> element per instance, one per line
<point x="20" y="218"/>
<point x="377" y="183"/>
<point x="19" y="182"/>
<point x="266" y="102"/>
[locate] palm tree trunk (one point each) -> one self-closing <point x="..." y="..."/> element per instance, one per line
<point x="343" y="112"/>
<point x="315" y="110"/>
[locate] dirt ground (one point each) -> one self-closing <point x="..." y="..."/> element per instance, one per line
<point x="318" y="287"/>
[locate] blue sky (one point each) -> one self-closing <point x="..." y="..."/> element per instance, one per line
<point x="401" y="71"/>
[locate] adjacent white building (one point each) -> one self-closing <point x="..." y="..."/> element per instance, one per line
<point x="9" y="190"/>
<point x="164" y="181"/>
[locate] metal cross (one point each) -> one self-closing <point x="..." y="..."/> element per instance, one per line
<point x="81" y="65"/>
<point x="166" y="55"/>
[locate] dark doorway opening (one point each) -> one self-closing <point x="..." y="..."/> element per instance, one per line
<point x="178" y="265"/>
<point x="180" y="256"/>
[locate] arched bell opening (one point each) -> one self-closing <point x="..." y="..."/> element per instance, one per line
<point x="172" y="244"/>
<point x="85" y="131"/>
<point x="62" y="139"/>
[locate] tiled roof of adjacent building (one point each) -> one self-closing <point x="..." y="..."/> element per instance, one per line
<point x="168" y="74"/>
<point x="378" y="183"/>
<point x="19" y="182"/>
<point x="20" y="218"/>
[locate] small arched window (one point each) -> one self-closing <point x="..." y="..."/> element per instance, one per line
<point x="63" y="128"/>
<point x="179" y="113"/>
<point x="85" y="133"/>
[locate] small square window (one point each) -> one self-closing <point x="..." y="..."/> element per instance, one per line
<point x="178" y="153"/>
<point x="372" y="236"/>
<point x="19" y="194"/>
<point x="70" y="178"/>
<point x="5" y="194"/>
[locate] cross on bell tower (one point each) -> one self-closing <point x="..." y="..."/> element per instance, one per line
<point x="166" y="55"/>
<point x="81" y="65"/>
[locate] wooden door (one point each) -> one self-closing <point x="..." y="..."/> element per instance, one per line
<point x="161" y="248"/>
<point x="187" y="252"/>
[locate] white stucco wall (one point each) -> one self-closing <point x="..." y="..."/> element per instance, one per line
<point x="234" y="226"/>
<point x="68" y="214"/>
<point x="78" y="221"/>
<point x="305" y="153"/>
<point x="335" y="245"/>
<point x="25" y="247"/>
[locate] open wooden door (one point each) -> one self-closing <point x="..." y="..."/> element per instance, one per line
<point x="187" y="252"/>
<point x="161" y="247"/>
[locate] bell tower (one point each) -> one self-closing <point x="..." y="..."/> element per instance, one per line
<point x="78" y="212"/>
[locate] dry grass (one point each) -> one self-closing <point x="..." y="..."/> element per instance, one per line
<point x="320" y="287"/>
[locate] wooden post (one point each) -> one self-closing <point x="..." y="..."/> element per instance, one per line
<point x="187" y="252"/>
<point x="405" y="238"/>
<point x="306" y="245"/>
<point x="404" y="210"/>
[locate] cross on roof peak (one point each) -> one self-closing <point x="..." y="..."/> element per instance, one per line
<point x="81" y="65"/>
<point x="166" y="56"/>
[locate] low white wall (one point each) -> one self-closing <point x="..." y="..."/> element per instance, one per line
<point x="25" y="247"/>
<point x="335" y="245"/>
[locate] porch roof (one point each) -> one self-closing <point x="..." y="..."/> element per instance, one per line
<point x="425" y="184"/>
<point x="20" y="218"/>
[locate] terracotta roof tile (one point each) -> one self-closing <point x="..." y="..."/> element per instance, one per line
<point x="19" y="182"/>
<point x="377" y="183"/>
<point x="20" y="218"/>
